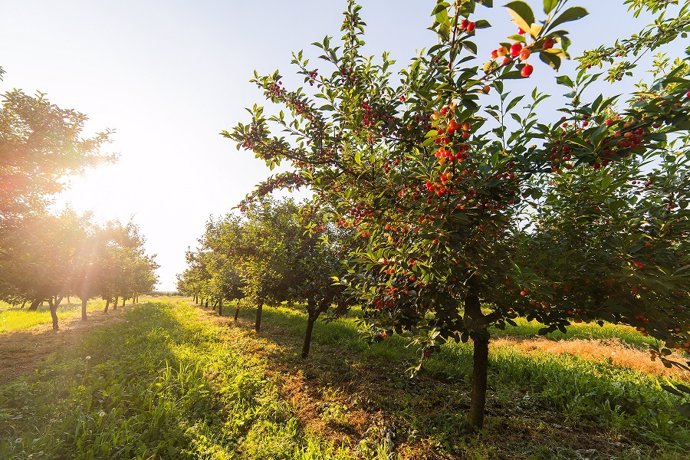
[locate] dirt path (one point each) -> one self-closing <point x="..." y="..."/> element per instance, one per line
<point x="21" y="352"/>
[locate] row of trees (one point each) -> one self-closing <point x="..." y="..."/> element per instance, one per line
<point x="467" y="204"/>
<point x="46" y="257"/>
<point x="276" y="251"/>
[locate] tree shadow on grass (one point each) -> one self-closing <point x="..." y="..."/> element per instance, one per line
<point x="555" y="406"/>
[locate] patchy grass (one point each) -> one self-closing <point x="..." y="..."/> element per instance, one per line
<point x="625" y="334"/>
<point x="15" y="318"/>
<point x="162" y="385"/>
<point x="19" y="319"/>
<point x="542" y="403"/>
<point x="180" y="382"/>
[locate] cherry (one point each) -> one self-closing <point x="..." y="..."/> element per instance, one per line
<point x="520" y="31"/>
<point x="486" y="89"/>
<point x="524" y="54"/>
<point x="470" y="27"/>
<point x="526" y="70"/>
<point x="464" y="24"/>
<point x="548" y="44"/>
<point x="506" y="60"/>
<point x="515" y="49"/>
<point x="494" y="54"/>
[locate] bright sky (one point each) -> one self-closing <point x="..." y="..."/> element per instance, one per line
<point x="168" y="76"/>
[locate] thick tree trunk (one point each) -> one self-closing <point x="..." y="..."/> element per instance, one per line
<point x="68" y="300"/>
<point x="259" y="311"/>
<point x="107" y="304"/>
<point x="307" y="336"/>
<point x="115" y="303"/>
<point x="83" y="309"/>
<point x="206" y="304"/>
<point x="124" y="299"/>
<point x="237" y="311"/>
<point x="34" y="304"/>
<point x="53" y="313"/>
<point x="220" y="307"/>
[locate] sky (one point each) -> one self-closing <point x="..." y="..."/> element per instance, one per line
<point x="169" y="75"/>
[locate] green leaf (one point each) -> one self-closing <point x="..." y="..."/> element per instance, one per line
<point x="549" y="5"/>
<point x="550" y="59"/>
<point x="571" y="14"/>
<point x="522" y="14"/>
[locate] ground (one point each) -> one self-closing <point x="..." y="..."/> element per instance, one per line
<point x="172" y="380"/>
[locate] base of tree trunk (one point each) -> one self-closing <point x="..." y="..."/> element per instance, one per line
<point x="479" y="378"/>
<point x="259" y="311"/>
<point x="307" y="337"/>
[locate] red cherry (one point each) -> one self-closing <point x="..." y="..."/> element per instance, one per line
<point x="526" y="70"/>
<point x="515" y="49"/>
<point x="525" y="54"/>
<point x="506" y="60"/>
<point x="548" y="44"/>
<point x="520" y="31"/>
<point x="464" y="24"/>
<point x="470" y="27"/>
<point x="494" y="54"/>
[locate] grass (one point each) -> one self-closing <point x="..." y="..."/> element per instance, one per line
<point x="161" y="385"/>
<point x="540" y="405"/>
<point x="172" y="382"/>
<point x="19" y="319"/>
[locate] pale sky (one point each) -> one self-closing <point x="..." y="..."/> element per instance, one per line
<point x="168" y="76"/>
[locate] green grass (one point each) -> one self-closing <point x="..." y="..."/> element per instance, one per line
<point x="529" y="393"/>
<point x="162" y="385"/>
<point x="625" y="334"/>
<point x="169" y="384"/>
<point x="19" y="319"/>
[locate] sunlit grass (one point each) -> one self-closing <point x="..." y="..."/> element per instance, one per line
<point x="168" y="384"/>
<point x="623" y="333"/>
<point x="19" y="319"/>
<point x="163" y="384"/>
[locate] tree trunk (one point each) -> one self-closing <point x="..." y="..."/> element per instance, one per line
<point x="124" y="299"/>
<point x="34" y="304"/>
<point x="115" y="303"/>
<point x="479" y="376"/>
<point x="23" y="304"/>
<point x="477" y="322"/>
<point x="83" y="309"/>
<point x="311" y="319"/>
<point x="53" y="313"/>
<point x="259" y="311"/>
<point x="237" y="311"/>
<point x="107" y="304"/>
<point x="206" y="304"/>
<point x="220" y="307"/>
